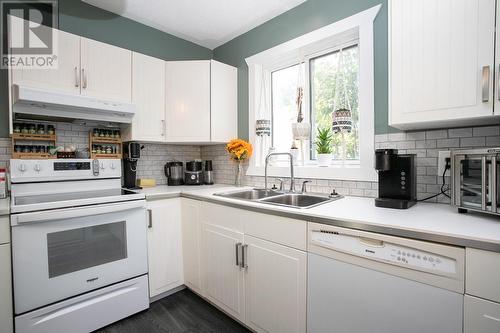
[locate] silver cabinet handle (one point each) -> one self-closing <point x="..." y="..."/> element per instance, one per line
<point x="238" y="250"/>
<point x="84" y="79"/>
<point x="244" y="257"/>
<point x="493" y="184"/>
<point x="150" y="220"/>
<point x="498" y="83"/>
<point x="486" y="84"/>
<point x="484" y="186"/>
<point x="77" y="79"/>
<point x="163" y="127"/>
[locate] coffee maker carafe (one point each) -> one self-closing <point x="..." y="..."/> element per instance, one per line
<point x="174" y="172"/>
<point x="131" y="154"/>
<point x="397" y="179"/>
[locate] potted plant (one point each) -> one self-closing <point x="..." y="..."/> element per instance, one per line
<point x="324" y="146"/>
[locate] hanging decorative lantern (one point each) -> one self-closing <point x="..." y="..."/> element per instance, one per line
<point x="263" y="127"/>
<point x="342" y="121"/>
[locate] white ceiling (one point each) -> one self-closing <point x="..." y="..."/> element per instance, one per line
<point x="209" y="23"/>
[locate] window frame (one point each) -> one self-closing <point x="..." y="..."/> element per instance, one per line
<point x="286" y="54"/>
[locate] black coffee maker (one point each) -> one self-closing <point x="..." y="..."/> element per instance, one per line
<point x="397" y="179"/>
<point x="131" y="154"/>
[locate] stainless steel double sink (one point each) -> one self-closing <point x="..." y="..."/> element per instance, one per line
<point x="295" y="200"/>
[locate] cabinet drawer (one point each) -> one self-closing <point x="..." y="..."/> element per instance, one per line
<point x="482" y="274"/>
<point x="4" y="229"/>
<point x="481" y="316"/>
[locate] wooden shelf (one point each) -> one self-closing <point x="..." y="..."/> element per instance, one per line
<point x="34" y="137"/>
<point x="32" y="156"/>
<point x="94" y="139"/>
<point x="106" y="156"/>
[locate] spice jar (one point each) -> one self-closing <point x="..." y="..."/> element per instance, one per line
<point x="101" y="133"/>
<point x="51" y="130"/>
<point x="94" y="147"/>
<point x="40" y="129"/>
<point x="96" y="132"/>
<point x="109" y="150"/>
<point x="117" y="134"/>
<point x="18" y="148"/>
<point x="24" y="129"/>
<point x="32" y="129"/>
<point x="17" y="128"/>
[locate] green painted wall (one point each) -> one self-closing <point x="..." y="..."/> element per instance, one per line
<point x="89" y="21"/>
<point x="307" y="17"/>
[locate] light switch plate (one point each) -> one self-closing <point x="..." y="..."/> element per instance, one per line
<point x="443" y="155"/>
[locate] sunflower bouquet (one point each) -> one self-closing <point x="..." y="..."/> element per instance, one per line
<point x="239" y="150"/>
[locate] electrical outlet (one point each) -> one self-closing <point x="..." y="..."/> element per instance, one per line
<point x="443" y="155"/>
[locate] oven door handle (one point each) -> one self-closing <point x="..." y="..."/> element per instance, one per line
<point x="69" y="213"/>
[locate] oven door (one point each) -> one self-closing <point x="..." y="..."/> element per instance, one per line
<point x="62" y="253"/>
<point x="476" y="182"/>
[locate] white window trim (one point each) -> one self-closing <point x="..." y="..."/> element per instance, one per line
<point x="288" y="53"/>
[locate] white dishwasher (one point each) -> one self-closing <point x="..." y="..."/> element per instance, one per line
<point x="366" y="282"/>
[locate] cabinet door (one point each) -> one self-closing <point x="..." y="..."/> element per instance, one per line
<point x="275" y="290"/>
<point x="441" y="62"/>
<point x="222" y="278"/>
<point x="148" y="94"/>
<point x="188" y="101"/>
<point x="224" y="102"/>
<point x="191" y="243"/>
<point x="6" y="316"/>
<point x="481" y="316"/>
<point x="164" y="246"/>
<point x="65" y="78"/>
<point x="106" y="71"/>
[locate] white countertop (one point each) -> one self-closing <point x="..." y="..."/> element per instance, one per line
<point x="5" y="206"/>
<point x="427" y="221"/>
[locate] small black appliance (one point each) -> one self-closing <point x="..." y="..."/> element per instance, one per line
<point x="208" y="176"/>
<point x="194" y="173"/>
<point x="397" y="179"/>
<point x="174" y="171"/>
<point x="131" y="154"/>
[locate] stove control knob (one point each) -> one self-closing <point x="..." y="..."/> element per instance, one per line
<point x="112" y="166"/>
<point x="102" y="166"/>
<point x="37" y="167"/>
<point x="22" y="167"/>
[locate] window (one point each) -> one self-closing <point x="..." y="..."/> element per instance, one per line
<point x="334" y="66"/>
<point x="334" y="85"/>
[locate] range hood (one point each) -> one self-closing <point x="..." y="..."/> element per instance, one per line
<point x="36" y="103"/>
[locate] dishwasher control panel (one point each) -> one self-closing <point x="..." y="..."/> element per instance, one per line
<point x="385" y="251"/>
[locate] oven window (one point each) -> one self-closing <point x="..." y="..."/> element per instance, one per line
<point x="77" y="249"/>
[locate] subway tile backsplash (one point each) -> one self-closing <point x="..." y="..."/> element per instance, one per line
<point x="425" y="144"/>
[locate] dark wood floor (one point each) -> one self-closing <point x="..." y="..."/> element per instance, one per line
<point x="181" y="312"/>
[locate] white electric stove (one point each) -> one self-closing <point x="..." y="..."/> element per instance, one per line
<point x="79" y="245"/>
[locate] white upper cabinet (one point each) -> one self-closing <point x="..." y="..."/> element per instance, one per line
<point x="200" y="101"/>
<point x="106" y="71"/>
<point x="65" y="78"/>
<point x="224" y="102"/>
<point x="441" y="62"/>
<point x="188" y="101"/>
<point x="148" y="94"/>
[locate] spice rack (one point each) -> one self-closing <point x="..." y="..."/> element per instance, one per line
<point x="98" y="140"/>
<point x="16" y="137"/>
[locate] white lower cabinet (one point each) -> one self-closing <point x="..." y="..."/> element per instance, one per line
<point x="481" y="316"/>
<point x="6" y="315"/>
<point x="191" y="243"/>
<point x="223" y="279"/>
<point x="275" y="287"/>
<point x="256" y="280"/>
<point x="164" y="246"/>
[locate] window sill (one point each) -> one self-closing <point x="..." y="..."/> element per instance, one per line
<point x="344" y="172"/>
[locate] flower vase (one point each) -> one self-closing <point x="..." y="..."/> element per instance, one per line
<point x="239" y="170"/>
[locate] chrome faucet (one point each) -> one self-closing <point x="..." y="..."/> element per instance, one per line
<point x="292" y="178"/>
